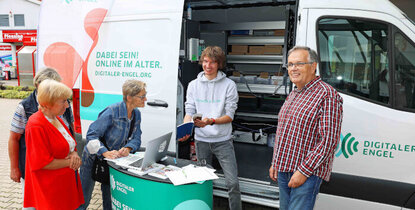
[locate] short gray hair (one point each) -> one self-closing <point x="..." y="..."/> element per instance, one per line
<point x="132" y="88"/>
<point x="312" y="54"/>
<point x="44" y="74"/>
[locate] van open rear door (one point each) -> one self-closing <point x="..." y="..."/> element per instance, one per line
<point x="137" y="39"/>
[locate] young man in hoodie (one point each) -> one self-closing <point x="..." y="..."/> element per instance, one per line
<point x="215" y="96"/>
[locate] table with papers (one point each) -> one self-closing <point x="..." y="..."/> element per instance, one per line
<point x="171" y="184"/>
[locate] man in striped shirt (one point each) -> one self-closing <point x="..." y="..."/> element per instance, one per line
<point x="27" y="107"/>
<point x="308" y="132"/>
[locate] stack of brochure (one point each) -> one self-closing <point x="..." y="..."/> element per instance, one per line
<point x="131" y="158"/>
<point x="153" y="167"/>
<point x="162" y="172"/>
<point x="126" y="161"/>
<point x="191" y="173"/>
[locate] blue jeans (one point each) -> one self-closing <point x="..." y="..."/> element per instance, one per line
<point x="88" y="183"/>
<point x="300" y="198"/>
<point x="225" y="154"/>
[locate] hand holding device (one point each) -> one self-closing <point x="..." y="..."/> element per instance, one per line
<point x="197" y="116"/>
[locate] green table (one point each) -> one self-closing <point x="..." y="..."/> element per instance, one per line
<point x="130" y="191"/>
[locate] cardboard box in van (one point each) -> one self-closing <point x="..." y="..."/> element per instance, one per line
<point x="272" y="49"/>
<point x="256" y="50"/>
<point x="279" y="32"/>
<point x="241" y="49"/>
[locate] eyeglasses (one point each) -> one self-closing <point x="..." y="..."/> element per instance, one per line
<point x="299" y="64"/>
<point x="141" y="97"/>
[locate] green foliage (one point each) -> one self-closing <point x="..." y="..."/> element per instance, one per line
<point x="15" y="92"/>
<point x="17" y="88"/>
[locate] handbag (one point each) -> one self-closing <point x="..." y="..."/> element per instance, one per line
<point x="100" y="171"/>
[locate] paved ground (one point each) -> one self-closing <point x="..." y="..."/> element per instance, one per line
<point x="11" y="192"/>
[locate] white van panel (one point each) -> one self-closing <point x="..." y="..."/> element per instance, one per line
<point x="385" y="149"/>
<point x="142" y="45"/>
<point x="383" y="6"/>
<point x="330" y="202"/>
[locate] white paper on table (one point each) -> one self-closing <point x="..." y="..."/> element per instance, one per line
<point x="162" y="172"/>
<point x="153" y="167"/>
<point x="126" y="161"/>
<point x="189" y="174"/>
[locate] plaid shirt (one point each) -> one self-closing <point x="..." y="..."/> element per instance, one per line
<point x="308" y="132"/>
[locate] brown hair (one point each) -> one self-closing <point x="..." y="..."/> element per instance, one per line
<point x="215" y="53"/>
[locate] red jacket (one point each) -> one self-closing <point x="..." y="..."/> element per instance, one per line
<point x="49" y="189"/>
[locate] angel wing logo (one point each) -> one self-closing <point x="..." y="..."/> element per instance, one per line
<point x="63" y="57"/>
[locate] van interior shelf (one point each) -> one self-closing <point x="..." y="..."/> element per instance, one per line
<point x="246" y="114"/>
<point x="255" y="59"/>
<point x="256" y="40"/>
<point x="261" y="88"/>
<point x="260" y="25"/>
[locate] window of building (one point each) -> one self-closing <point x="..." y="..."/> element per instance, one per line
<point x="19" y="20"/>
<point x="4" y="20"/>
<point x="354" y="57"/>
<point x="404" y="72"/>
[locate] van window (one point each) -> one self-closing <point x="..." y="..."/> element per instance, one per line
<point x="405" y="72"/>
<point x="354" y="58"/>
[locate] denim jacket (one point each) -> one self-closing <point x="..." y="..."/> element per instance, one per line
<point x="113" y="125"/>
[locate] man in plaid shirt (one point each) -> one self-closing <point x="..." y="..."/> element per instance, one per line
<point x="309" y="125"/>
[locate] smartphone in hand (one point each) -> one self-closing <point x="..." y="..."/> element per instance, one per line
<point x="197" y="116"/>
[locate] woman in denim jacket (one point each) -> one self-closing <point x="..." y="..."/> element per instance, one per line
<point x="113" y="126"/>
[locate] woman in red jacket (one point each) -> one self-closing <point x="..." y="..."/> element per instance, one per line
<point x="52" y="179"/>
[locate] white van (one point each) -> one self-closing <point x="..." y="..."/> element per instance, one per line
<point x="367" y="53"/>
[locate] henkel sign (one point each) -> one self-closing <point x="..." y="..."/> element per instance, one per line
<point x="19" y="35"/>
<point x="29" y="40"/>
<point x="5" y="48"/>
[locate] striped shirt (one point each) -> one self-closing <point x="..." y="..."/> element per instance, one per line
<point x="309" y="125"/>
<point x="19" y="120"/>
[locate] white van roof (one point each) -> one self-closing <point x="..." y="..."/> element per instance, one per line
<point x="383" y="6"/>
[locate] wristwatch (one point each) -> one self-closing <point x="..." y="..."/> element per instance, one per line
<point x="213" y="121"/>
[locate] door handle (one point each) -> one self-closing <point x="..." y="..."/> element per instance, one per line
<point x="157" y="102"/>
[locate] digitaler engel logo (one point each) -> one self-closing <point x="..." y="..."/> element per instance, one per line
<point x="112" y="182"/>
<point x="347" y="145"/>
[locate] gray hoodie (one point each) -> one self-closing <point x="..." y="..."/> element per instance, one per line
<point x="213" y="99"/>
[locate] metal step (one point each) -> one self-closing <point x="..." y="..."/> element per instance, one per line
<point x="252" y="191"/>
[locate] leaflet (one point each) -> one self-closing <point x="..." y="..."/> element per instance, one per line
<point x="162" y="172"/>
<point x="191" y="173"/>
<point x="126" y="161"/>
<point x="151" y="168"/>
